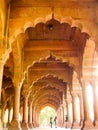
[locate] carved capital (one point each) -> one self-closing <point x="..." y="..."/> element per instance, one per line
<point x="74" y="94"/>
<point x="68" y="101"/>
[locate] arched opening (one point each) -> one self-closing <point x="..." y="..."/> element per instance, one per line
<point x="44" y="117"/>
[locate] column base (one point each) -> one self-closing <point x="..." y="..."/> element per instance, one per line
<point x="24" y="126"/>
<point x="88" y="124"/>
<point x="14" y="125"/>
<point x="96" y="124"/>
<point x="75" y="125"/>
<point x="30" y="125"/>
<point x="81" y="123"/>
<point x="68" y="125"/>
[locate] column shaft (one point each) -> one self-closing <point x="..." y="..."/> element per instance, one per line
<point x="1" y="76"/>
<point x="15" y="124"/>
<point x="87" y="119"/>
<point x="75" y="116"/>
<point x="68" y="112"/>
<point x="25" y="114"/>
<point x="81" y="110"/>
<point x="3" y="114"/>
<point x="30" y="115"/>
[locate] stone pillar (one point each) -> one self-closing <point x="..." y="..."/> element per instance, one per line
<point x="25" y="114"/>
<point x="75" y="116"/>
<point x="65" y="110"/>
<point x="15" y="124"/>
<point x="58" y="115"/>
<point x="2" y="114"/>
<point x="81" y="109"/>
<point x="61" y="114"/>
<point x="34" y="122"/>
<point x="95" y="93"/>
<point x="30" y="115"/>
<point x="87" y="124"/>
<point x="37" y="119"/>
<point x="1" y="76"/>
<point x="65" y="113"/>
<point x="68" y="101"/>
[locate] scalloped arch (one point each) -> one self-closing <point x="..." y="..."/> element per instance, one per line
<point x="54" y="76"/>
<point x="55" y="98"/>
<point x="57" y="88"/>
<point x="56" y="59"/>
<point x="69" y="20"/>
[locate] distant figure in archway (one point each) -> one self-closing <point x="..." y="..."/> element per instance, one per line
<point x="51" y="122"/>
<point x="55" y="121"/>
<point x="66" y="120"/>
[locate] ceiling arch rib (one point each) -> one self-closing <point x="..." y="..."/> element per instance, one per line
<point x="42" y="90"/>
<point x="47" y="98"/>
<point x="49" y="103"/>
<point x="49" y="67"/>
<point x="51" y="80"/>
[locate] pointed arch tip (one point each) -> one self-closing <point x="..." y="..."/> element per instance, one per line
<point x="53" y="57"/>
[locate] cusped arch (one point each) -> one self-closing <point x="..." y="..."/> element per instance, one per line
<point x="68" y="20"/>
<point x="44" y="88"/>
<point x="45" y="98"/>
<point x="53" y="76"/>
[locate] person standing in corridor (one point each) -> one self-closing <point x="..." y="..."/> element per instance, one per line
<point x="55" y="121"/>
<point x="51" y="122"/>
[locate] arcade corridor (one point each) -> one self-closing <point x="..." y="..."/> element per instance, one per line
<point x="49" y="57"/>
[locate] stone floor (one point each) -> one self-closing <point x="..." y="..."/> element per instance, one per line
<point x="48" y="128"/>
<point x="45" y="128"/>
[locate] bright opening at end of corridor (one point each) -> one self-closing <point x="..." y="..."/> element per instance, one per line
<point x="45" y="114"/>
